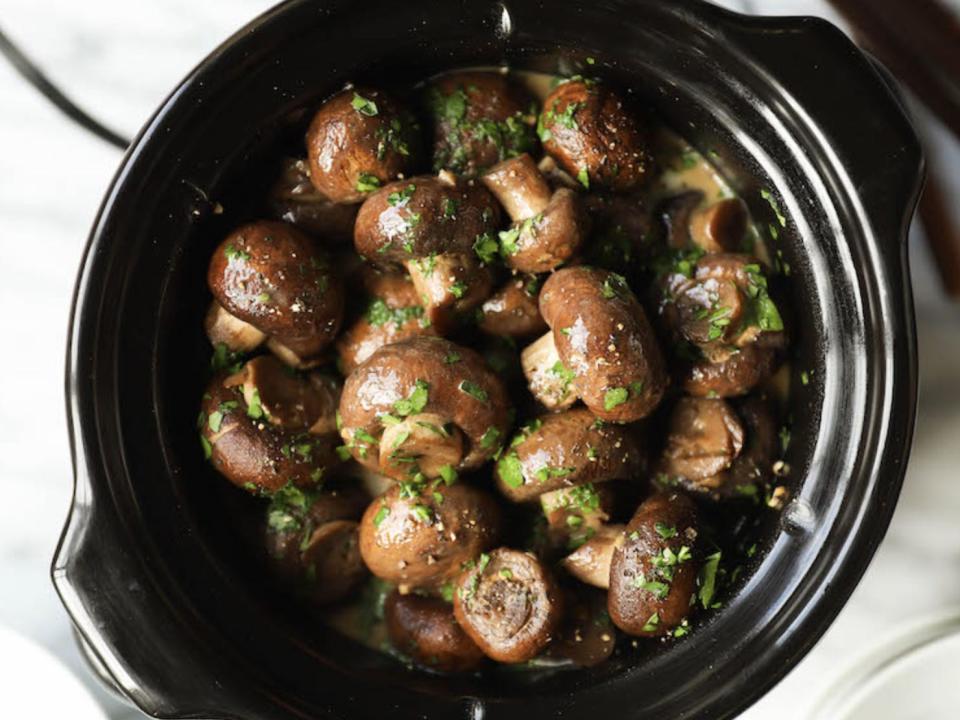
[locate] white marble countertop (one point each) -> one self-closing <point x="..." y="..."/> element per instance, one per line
<point x="119" y="58"/>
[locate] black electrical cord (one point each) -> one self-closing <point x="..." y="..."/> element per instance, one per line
<point x="32" y="74"/>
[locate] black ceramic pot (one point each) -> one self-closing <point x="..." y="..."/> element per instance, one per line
<point x="149" y="567"/>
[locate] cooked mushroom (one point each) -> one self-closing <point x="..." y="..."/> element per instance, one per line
<point x="251" y="452"/>
<point x="272" y="276"/>
<point x="716" y="228"/>
<point x="225" y="329"/>
<point x="722" y="308"/>
<point x="418" y="534"/>
<point x="621" y="238"/>
<point x="590" y="563"/>
<point x="549" y="226"/>
<point x="294" y="199"/>
<point x="431" y="225"/>
<point x="394" y="312"/>
<point x="513" y="311"/>
<point x="312" y="539"/>
<point x="600" y="344"/>
<point x="565" y="450"/>
<point x="575" y="514"/>
<point x="653" y="574"/>
<point x="286" y="399"/>
<point x="438" y="400"/>
<point x="424" y="628"/>
<point x="509" y="604"/>
<point x="586" y="127"/>
<point x="718" y="451"/>
<point x="359" y="140"/>
<point x="479" y="119"/>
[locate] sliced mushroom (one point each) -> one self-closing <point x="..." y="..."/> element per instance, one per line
<point x="254" y="454"/>
<point x="513" y="311"/>
<point x="604" y="344"/>
<point x="590" y="563"/>
<point x="224" y="328"/>
<point x="586" y="127"/>
<point x="430" y="225"/>
<point x="653" y="574"/>
<point x="424" y="628"/>
<point x="272" y="276"/>
<point x="359" y="139"/>
<point x="563" y="451"/>
<point x="479" y="119"/>
<point x="509" y="604"/>
<point x="417" y="376"/>
<point x="287" y="399"/>
<point x="393" y="312"/>
<point x="418" y="534"/>
<point x="295" y="199"/>
<point x="548" y="226"/>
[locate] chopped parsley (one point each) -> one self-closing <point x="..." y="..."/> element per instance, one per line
<point x="490" y="438"/>
<point x="614" y="397"/>
<point x="665" y="531"/>
<point x="254" y="408"/>
<point x="364" y="106"/>
<point x="707" y="579"/>
<point x="448" y="474"/>
<point x="399" y="198"/>
<point x="382" y="514"/>
<point x="486" y="247"/>
<point x="458" y="289"/>
<point x="415" y="402"/>
<point x="367" y="182"/>
<point x="652" y="622"/>
<point x="451" y="358"/>
<point x="473" y="390"/>
<point x="379" y="313"/>
<point x="772" y="202"/>
<point x="233" y="254"/>
<point x="510" y="470"/>
<point x="583" y="177"/>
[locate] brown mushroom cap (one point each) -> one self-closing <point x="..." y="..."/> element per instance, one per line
<point x="564" y="450"/>
<point x="704" y="438"/>
<point x="720" y="450"/>
<point x="394" y="312"/>
<point x="513" y="310"/>
<point x="425" y="629"/>
<point x="653" y="574"/>
<point x="547" y="231"/>
<point x="423" y="216"/>
<point x="604" y="339"/>
<point x="418" y="534"/>
<point x="425" y="375"/>
<point x="737" y="375"/>
<point x="359" y="139"/>
<point x="509" y="604"/>
<point x="288" y="399"/>
<point x="272" y="276"/>
<point x="332" y="561"/>
<point x="479" y="118"/>
<point x="590" y="563"/>
<point x="587" y="129"/>
<point x="295" y="199"/>
<point x="254" y="454"/>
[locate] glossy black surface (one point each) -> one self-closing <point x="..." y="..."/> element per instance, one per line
<point x="149" y="566"/>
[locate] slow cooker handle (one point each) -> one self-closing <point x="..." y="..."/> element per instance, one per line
<point x="854" y="103"/>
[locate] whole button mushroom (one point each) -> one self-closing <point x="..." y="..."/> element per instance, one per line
<point x="312" y="539"/>
<point x="565" y="450"/>
<point x="587" y="129"/>
<point x="717" y="450"/>
<point x="509" y="604"/>
<point x="424" y="628"/>
<point x="270" y="275"/>
<point x="394" y="312"/>
<point x="479" y="119"/>
<point x="721" y="307"/>
<point x="600" y="348"/>
<point x="715" y="228"/>
<point x="431" y="226"/>
<point x="253" y="453"/>
<point x="295" y="199"/>
<point x="653" y="574"/>
<point x="418" y="534"/>
<point x="359" y="140"/>
<point x="423" y="405"/>
<point x="549" y="226"/>
<point x="513" y="310"/>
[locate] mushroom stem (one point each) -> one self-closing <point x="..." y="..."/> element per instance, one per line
<point x="237" y="335"/>
<point x="289" y="356"/>
<point x="424" y="442"/>
<point x="448" y="281"/>
<point x="519" y="186"/>
<point x="719" y="227"/>
<point x="590" y="563"/>
<point x="327" y="390"/>
<point x="550" y="382"/>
